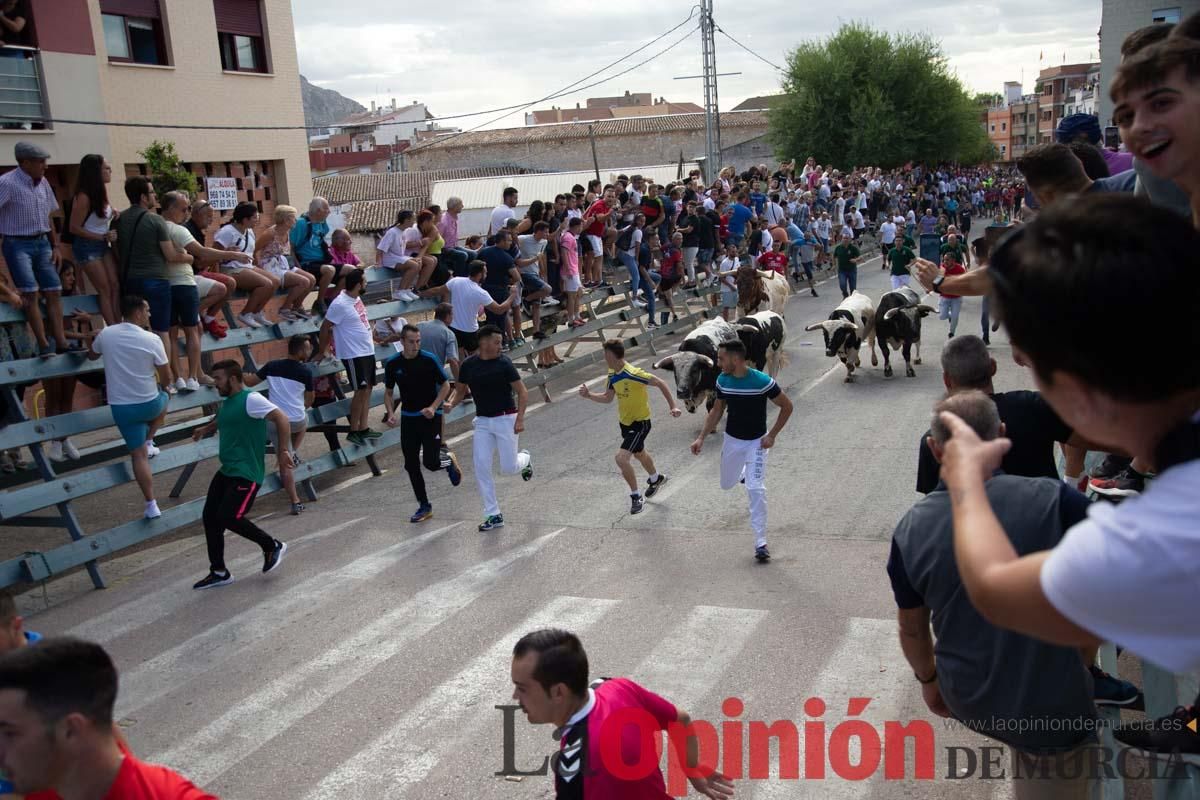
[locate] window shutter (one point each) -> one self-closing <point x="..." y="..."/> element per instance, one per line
<point x="130" y="8"/>
<point x="241" y="17"/>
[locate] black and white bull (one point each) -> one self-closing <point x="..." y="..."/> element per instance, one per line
<point x="848" y="326"/>
<point x="898" y="323"/>
<point x="763" y="334"/>
<point x="695" y="365"/>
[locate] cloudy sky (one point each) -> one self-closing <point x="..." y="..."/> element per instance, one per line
<point x="460" y="56"/>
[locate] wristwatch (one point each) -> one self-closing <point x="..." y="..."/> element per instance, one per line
<point x="937" y="283"/>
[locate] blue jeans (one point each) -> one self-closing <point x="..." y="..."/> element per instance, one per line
<point x="635" y="280"/>
<point x="848" y="278"/>
<point x="30" y="264"/>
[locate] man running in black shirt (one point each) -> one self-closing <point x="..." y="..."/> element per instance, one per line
<point x="500" y="398"/>
<point x="424" y="387"/>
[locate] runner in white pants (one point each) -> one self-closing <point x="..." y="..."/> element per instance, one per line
<point x="500" y="398"/>
<point x="744" y="452"/>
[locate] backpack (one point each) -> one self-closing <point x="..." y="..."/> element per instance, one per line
<point x="625" y="238"/>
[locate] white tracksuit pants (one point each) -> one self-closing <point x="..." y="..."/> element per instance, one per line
<point x="745" y="457"/>
<point x="492" y="435"/>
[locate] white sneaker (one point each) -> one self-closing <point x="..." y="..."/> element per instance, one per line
<point x="55" y="451"/>
<point x="192" y="385"/>
<point x="152" y="511"/>
<point x="548" y="302"/>
<point x="70" y="450"/>
<point x="261" y="316"/>
<point x="400" y="294"/>
<point x="181" y="384"/>
<point x="249" y="321"/>
<point x="151" y="450"/>
<point x="639" y="303"/>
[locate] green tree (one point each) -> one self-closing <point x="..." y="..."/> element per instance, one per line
<point x="167" y="169"/>
<point x="866" y="97"/>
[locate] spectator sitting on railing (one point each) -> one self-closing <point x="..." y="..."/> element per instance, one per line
<point x="133" y="358"/>
<point x="90" y="229"/>
<point x="393" y="252"/>
<point x="30" y="246"/>
<point x="210" y="298"/>
<point x="341" y="248"/>
<point x="60" y="392"/>
<point x="433" y="273"/>
<point x="531" y="249"/>
<point x="237" y="237"/>
<point x="273" y="251"/>
<point x="290" y="383"/>
<point x="456" y="257"/>
<point x="308" y="237"/>
<point x="346" y="320"/>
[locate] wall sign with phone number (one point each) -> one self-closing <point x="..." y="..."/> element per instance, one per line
<point x="222" y="193"/>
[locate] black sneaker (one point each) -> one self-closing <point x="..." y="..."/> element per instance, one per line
<point x="1111" y="466"/>
<point x="636" y="504"/>
<point x="423" y="512"/>
<point x="1111" y="691"/>
<point x="652" y="487"/>
<point x="213" y="580"/>
<point x="1126" y="484"/>
<point x="527" y="472"/>
<point x="370" y="434"/>
<point x="274" y="558"/>
<point x="762" y="554"/>
<point x="355" y="437"/>
<point x="453" y="470"/>
<point x="1175" y="735"/>
<point x="297" y="508"/>
<point x="492" y="522"/>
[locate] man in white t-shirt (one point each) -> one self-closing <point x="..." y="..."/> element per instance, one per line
<point x="135" y="366"/>
<point x="346" y="320"/>
<point x="887" y="238"/>
<point x="502" y="213"/>
<point x="467" y="297"/>
<point x="1127" y="574"/>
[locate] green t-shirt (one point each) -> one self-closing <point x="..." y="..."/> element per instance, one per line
<point x="243" y="439"/>
<point x="139" y="250"/>
<point x="845" y="254"/>
<point x="900" y="258"/>
<point x="957" y="250"/>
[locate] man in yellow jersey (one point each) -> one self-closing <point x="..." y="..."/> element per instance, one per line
<point x="628" y="384"/>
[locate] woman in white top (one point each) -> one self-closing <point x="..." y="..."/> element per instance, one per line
<point x="91" y="226"/>
<point x="238" y="236"/>
<point x="272" y="251"/>
<point x="396" y="251"/>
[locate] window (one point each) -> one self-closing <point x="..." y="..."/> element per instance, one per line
<point x="1003" y="127"/>
<point x="133" y="31"/>
<point x="993" y="127"/>
<point x="1161" y="15"/>
<point x="240" y="35"/>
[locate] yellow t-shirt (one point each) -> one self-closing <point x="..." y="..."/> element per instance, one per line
<point x="633" y="401"/>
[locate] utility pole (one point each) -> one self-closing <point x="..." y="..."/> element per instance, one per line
<point x="595" y="161"/>
<point x="712" y="120"/>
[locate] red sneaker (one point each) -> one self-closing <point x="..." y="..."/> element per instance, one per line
<point x="216" y="328"/>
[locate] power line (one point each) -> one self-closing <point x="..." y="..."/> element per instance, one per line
<point x="766" y="61"/>
<point x="568" y="89"/>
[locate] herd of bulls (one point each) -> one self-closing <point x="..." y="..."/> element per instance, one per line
<point x="896" y="322"/>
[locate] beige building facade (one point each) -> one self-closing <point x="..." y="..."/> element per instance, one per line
<point x="171" y="62"/>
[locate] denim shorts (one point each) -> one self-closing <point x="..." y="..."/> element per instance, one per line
<point x="30" y="264"/>
<point x="729" y="298"/>
<point x="156" y="292"/>
<point x="86" y="250"/>
<point x="133" y="421"/>
<point x="185" y="305"/>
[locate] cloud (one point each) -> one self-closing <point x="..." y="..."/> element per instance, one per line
<point x="460" y="56"/>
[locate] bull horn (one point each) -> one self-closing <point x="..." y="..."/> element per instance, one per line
<point x="815" y="326"/>
<point x="748" y="328"/>
<point x="845" y="323"/>
<point x="708" y="362"/>
<point x="927" y="309"/>
<point x="666" y="363"/>
<point x="891" y="312"/>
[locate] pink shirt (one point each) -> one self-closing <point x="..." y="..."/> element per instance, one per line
<point x="449" y="229"/>
<point x="568" y="249"/>
<point x="347" y="257"/>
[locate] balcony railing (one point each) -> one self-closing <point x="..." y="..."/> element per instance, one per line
<point x="22" y="98"/>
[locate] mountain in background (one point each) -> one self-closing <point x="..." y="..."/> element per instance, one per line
<point x="323" y="107"/>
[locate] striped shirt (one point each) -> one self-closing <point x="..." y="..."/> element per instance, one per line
<point x="25" y="208"/>
<point x="746" y="398"/>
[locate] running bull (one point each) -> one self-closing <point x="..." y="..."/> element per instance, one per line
<point x="695" y="365"/>
<point x="763" y="334"/>
<point x="848" y="326"/>
<point x="898" y="323"/>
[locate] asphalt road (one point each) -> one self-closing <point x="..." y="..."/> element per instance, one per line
<point x="371" y="663"/>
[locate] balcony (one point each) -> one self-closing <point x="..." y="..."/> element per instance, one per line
<point x="22" y="100"/>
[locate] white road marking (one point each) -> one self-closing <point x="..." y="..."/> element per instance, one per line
<point x="682" y="672"/>
<point x="867" y="663"/>
<point x="153" y="606"/>
<point x="346" y="484"/>
<point x="288" y="698"/>
<point x="405" y="754"/>
<point x="190" y="659"/>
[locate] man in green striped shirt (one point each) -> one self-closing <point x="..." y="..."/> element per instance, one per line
<point x="241" y="422"/>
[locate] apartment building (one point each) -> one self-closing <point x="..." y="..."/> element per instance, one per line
<point x="176" y="62"/>
<point x="1055" y="86"/>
